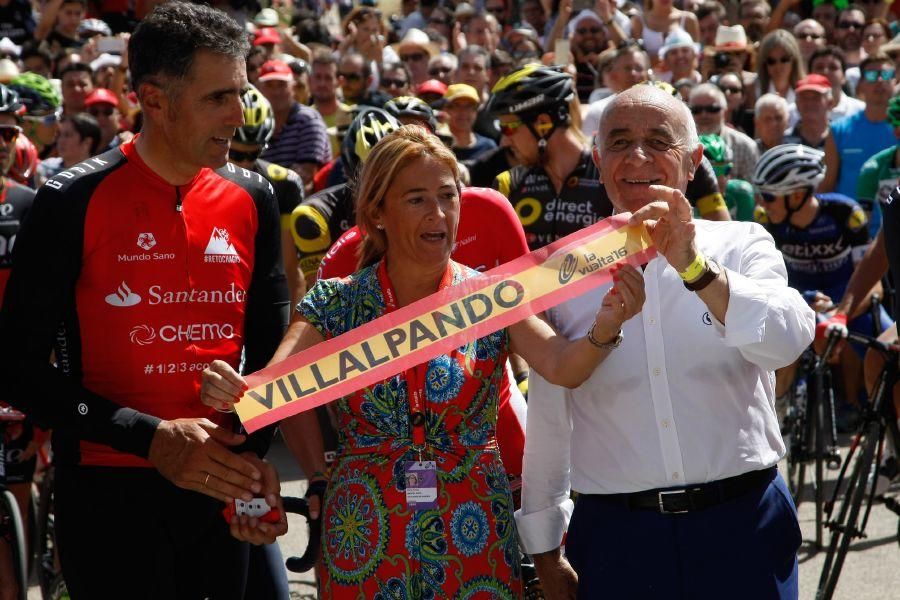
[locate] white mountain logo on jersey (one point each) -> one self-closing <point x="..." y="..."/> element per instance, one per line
<point x="123" y="296"/>
<point x="220" y="249"/>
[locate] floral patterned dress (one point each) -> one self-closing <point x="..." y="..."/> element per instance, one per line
<point x="373" y="545"/>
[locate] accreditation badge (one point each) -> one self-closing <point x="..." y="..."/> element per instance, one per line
<point x="421" y="484"/>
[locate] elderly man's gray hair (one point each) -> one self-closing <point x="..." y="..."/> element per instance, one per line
<point x="687" y="136"/>
<point x="771" y="100"/>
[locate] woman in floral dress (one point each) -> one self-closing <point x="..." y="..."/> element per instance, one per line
<point x="376" y="544"/>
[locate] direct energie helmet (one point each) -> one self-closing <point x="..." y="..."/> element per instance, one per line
<point x="789" y="167"/>
<point x="259" y="121"/>
<point x="531" y="90"/>
<point x="369" y="126"/>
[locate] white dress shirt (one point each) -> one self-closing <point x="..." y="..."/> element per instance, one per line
<point x="685" y="399"/>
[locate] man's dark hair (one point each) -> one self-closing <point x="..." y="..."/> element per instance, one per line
<point x="323" y="56"/>
<point x="164" y="44"/>
<point x="710" y="8"/>
<point x="366" y="65"/>
<point x="77" y="68"/>
<point x="876" y="57"/>
<point x="31" y="50"/>
<point x="828" y="51"/>
<point x="87" y="128"/>
<point x="393" y="66"/>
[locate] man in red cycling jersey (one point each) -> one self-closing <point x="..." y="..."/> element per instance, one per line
<point x="137" y="268"/>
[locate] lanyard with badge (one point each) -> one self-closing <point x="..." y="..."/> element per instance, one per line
<point x="420" y="475"/>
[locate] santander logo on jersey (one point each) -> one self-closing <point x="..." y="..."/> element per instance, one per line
<point x="156" y="294"/>
<point x="123" y="296"/>
<point x="220" y="249"/>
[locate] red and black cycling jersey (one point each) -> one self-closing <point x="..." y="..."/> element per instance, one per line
<point x="15" y="202"/>
<point x="137" y="285"/>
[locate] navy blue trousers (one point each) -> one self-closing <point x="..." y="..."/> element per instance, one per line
<point x="742" y="549"/>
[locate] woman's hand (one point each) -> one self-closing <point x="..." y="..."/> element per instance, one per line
<point x="221" y="386"/>
<point x="670" y="224"/>
<point x="624" y="300"/>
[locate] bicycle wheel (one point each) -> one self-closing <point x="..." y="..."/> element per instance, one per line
<point x="48" y="573"/>
<point x="818" y="427"/>
<point x="795" y="440"/>
<point x="846" y="525"/>
<point x="9" y="514"/>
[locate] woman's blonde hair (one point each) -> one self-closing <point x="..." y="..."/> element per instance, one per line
<point x="393" y="153"/>
<point x="787" y="42"/>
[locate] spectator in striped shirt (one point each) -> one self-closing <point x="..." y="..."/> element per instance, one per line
<point x="300" y="142"/>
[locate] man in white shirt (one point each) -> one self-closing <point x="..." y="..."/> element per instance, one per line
<point x="686" y="399"/>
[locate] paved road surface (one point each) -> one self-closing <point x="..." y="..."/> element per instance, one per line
<point x="871" y="571"/>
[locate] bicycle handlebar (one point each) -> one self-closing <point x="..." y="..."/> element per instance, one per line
<point x="300" y="506"/>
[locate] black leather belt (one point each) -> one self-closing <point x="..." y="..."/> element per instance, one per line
<point x="690" y="498"/>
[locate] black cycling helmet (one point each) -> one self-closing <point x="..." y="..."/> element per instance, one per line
<point x="9" y="102"/>
<point x="410" y="106"/>
<point x="531" y="90"/>
<point x="259" y="121"/>
<point x="369" y="126"/>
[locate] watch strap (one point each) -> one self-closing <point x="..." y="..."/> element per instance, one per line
<point x="711" y="272"/>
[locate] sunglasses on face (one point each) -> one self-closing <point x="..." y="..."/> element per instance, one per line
<point x="587" y="30"/>
<point x="712" y="109"/>
<point x="728" y="91"/>
<point x="850" y="25"/>
<point x="393" y="83"/>
<point x="240" y="157"/>
<point x="874" y="36"/>
<point x="873" y="75"/>
<point x="509" y="128"/>
<point x="768" y="197"/>
<point x="774" y="61"/>
<point x="105" y="111"/>
<point x="9" y="133"/>
<point x="49" y="120"/>
<point x="809" y="37"/>
<point x="351" y="76"/>
<point x="435" y="71"/>
<point x="415" y="57"/>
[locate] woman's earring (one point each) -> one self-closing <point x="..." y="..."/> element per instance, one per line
<point x="379" y="226"/>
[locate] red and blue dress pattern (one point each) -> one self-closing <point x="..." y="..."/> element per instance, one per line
<point x="373" y="545"/>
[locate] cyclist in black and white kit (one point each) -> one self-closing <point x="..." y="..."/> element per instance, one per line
<point x="556" y="191"/>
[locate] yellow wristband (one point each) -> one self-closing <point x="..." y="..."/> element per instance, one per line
<point x="695" y="269"/>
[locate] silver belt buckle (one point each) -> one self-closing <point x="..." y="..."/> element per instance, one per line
<point x="662" y="506"/>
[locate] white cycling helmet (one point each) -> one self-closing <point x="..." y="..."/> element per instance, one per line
<point x="789" y="167"/>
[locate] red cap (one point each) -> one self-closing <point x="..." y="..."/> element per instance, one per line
<point x="815" y="82"/>
<point x="433" y="86"/>
<point x="275" y="70"/>
<point x="266" y="35"/>
<point x="101" y="96"/>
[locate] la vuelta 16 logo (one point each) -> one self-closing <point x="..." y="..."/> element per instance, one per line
<point x="567" y="268"/>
